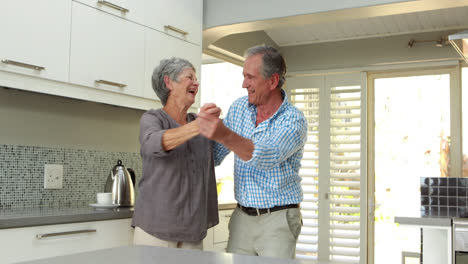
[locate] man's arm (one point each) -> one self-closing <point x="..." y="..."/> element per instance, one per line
<point x="286" y="140"/>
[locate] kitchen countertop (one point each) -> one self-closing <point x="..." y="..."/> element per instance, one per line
<point x="429" y="221"/>
<point x="155" y="255"/>
<point x="26" y="217"/>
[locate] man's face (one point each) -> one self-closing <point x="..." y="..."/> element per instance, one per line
<point x="257" y="87"/>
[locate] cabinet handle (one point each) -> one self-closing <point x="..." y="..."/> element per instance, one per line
<point x="176" y="30"/>
<point x="112" y="5"/>
<point x="111" y="83"/>
<point x="228" y="216"/>
<point x="25" y="65"/>
<point x="41" y="236"/>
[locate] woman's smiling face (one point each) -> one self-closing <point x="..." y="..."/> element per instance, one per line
<point x="185" y="88"/>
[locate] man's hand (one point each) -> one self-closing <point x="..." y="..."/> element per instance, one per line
<point x="213" y="128"/>
<point x="211" y="109"/>
<point x="209" y="123"/>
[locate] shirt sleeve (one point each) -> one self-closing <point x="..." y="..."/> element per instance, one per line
<point x="220" y="152"/>
<point x="151" y="132"/>
<point x="286" y="141"/>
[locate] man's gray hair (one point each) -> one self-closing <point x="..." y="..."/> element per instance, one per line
<point x="272" y="62"/>
<point x="172" y="68"/>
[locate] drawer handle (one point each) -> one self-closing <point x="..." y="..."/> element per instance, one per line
<point x="25" y="65"/>
<point x="176" y="30"/>
<point x="41" y="236"/>
<point x="228" y="216"/>
<point x="111" y="83"/>
<point x="112" y="5"/>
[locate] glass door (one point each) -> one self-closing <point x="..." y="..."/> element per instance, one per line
<point x="410" y="140"/>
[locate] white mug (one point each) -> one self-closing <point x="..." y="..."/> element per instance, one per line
<point x="104" y="198"/>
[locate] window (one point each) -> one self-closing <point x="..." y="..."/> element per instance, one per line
<point x="221" y="83"/>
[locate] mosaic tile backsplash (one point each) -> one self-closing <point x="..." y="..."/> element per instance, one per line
<point x="444" y="196"/>
<point x="84" y="174"/>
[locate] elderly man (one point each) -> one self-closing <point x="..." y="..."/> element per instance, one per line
<point x="268" y="135"/>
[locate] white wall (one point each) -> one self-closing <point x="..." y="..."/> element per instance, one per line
<point x="33" y="119"/>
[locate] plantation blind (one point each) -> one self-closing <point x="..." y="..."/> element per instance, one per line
<point x="333" y="167"/>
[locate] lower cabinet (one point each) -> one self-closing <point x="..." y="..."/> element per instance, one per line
<point x="217" y="237"/>
<point x="29" y="243"/>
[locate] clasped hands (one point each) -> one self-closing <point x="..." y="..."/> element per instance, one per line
<point x="209" y="123"/>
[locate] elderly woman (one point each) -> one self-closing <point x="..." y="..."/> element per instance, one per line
<point x="177" y="199"/>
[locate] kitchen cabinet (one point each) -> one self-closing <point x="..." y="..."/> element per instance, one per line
<point x="35" y="38"/>
<point x="181" y="19"/>
<point x="28" y="243"/>
<point x="106" y="51"/>
<point x="132" y="10"/>
<point x="160" y="46"/>
<point x="217" y="237"/>
<point x="91" y="50"/>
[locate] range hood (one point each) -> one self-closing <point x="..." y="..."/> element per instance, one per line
<point x="460" y="42"/>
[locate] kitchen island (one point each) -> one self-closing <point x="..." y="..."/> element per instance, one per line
<point x="155" y="255"/>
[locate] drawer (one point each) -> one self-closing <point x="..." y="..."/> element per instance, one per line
<point x="28" y="243"/>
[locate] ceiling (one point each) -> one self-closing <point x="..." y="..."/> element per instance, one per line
<point x="348" y="24"/>
<point x="383" y="26"/>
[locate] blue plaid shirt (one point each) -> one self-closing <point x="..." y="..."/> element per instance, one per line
<point x="271" y="176"/>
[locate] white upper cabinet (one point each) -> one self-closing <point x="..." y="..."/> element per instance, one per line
<point x="96" y="50"/>
<point x="106" y="51"/>
<point x="128" y="9"/>
<point x="35" y="37"/>
<point x="181" y="18"/>
<point x="160" y="46"/>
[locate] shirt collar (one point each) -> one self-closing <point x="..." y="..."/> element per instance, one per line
<point x="284" y="104"/>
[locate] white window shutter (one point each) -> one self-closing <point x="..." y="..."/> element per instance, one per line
<point x="332" y="167"/>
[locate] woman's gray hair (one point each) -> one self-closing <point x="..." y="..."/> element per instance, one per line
<point x="168" y="67"/>
<point x="272" y="62"/>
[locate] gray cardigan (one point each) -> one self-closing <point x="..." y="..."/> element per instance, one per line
<point x="177" y="198"/>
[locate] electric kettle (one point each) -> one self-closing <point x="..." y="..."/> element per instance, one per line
<point x="121" y="183"/>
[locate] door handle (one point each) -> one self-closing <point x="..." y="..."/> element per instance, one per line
<point x="121" y="85"/>
<point x="176" y="30"/>
<point x="24" y="65"/>
<point x="112" y="5"/>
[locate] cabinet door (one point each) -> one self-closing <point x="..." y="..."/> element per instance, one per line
<point x="22" y="244"/>
<point x="106" y="51"/>
<point x="183" y="15"/>
<point x="221" y="231"/>
<point x="36" y="33"/>
<point x="160" y="46"/>
<point x="128" y="9"/>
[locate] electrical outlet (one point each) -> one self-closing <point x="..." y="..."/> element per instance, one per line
<point x="53" y="176"/>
